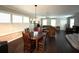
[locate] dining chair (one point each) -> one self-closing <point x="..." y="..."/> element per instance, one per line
<point x="51" y="31"/>
<point x="41" y="44"/>
<point x="27" y="42"/>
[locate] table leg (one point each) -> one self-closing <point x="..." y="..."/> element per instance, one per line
<point x="36" y="45"/>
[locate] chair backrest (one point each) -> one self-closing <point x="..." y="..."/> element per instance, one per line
<point x="26" y="38"/>
<point x="52" y="30"/>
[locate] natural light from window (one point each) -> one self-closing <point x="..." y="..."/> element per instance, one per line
<point x="53" y="22"/>
<point x="4" y="18"/>
<point x="25" y="19"/>
<point x="44" y="22"/>
<point x="71" y="22"/>
<point x="17" y="19"/>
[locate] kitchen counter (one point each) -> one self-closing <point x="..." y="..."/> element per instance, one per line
<point x="11" y="37"/>
<point x="14" y="41"/>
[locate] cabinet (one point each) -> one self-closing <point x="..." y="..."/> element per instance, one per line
<point x="3" y="47"/>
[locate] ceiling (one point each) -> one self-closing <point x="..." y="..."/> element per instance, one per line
<point x="46" y="10"/>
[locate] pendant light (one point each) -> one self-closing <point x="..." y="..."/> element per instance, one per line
<point x="35" y="11"/>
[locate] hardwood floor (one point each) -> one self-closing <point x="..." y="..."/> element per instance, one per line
<point x="58" y="45"/>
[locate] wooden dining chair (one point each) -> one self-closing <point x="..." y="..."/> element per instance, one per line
<point x="51" y="31"/>
<point x="41" y="45"/>
<point x="27" y="42"/>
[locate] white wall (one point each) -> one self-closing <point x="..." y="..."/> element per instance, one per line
<point x="76" y="17"/>
<point x="11" y="28"/>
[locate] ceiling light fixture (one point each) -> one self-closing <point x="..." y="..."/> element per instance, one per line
<point x="35" y="11"/>
<point x="36" y="14"/>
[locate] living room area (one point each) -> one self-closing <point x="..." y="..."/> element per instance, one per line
<point x="59" y="28"/>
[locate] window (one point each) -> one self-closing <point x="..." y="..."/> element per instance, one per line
<point x="63" y="23"/>
<point x="25" y="19"/>
<point x="53" y="22"/>
<point x="44" y="22"/>
<point x="71" y="22"/>
<point x="17" y="19"/>
<point x="5" y="18"/>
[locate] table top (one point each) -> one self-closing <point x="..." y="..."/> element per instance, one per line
<point x="38" y="36"/>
